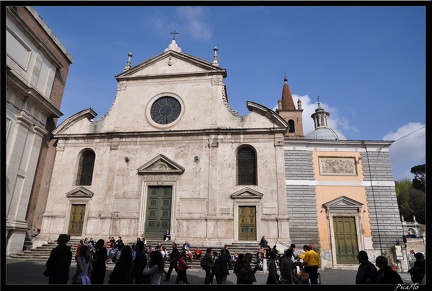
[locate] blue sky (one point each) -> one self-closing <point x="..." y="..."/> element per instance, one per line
<point x="367" y="64"/>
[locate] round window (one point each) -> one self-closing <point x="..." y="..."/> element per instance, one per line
<point x="165" y="110"/>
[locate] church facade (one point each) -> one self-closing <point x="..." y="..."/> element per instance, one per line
<point x="171" y="154"/>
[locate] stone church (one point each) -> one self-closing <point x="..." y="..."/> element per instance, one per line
<point x="171" y="154"/>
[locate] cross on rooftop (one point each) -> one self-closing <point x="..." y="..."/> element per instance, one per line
<point x="174" y="34"/>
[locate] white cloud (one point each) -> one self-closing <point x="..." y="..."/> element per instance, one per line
<point x="195" y="22"/>
<point x="408" y="150"/>
<point x="334" y="121"/>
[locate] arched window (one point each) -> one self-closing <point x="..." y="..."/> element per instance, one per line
<point x="291" y="126"/>
<point x="85" y="168"/>
<point x="246" y="166"/>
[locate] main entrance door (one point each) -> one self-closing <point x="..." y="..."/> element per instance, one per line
<point x="76" y="220"/>
<point x="346" y="240"/>
<point x="247" y="223"/>
<point x="158" y="213"/>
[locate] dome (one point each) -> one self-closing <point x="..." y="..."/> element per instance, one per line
<point x="325" y="133"/>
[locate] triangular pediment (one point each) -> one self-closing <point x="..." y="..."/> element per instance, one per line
<point x="170" y="63"/>
<point x="246" y="193"/>
<point x="160" y="165"/>
<point x="343" y="203"/>
<point x="80" y="192"/>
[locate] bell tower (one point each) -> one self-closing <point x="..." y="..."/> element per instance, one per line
<point x="288" y="111"/>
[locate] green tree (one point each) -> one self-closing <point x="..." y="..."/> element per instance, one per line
<point x="419" y="181"/>
<point x="417" y="201"/>
<point x="411" y="201"/>
<point x="403" y="188"/>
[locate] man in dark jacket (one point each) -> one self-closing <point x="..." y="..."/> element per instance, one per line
<point x="173" y="262"/>
<point x="139" y="263"/>
<point x="59" y="261"/>
<point x="221" y="268"/>
<point x="366" y="272"/>
<point x="385" y="273"/>
<point x="99" y="263"/>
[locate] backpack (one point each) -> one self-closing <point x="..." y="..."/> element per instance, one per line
<point x="203" y="263"/>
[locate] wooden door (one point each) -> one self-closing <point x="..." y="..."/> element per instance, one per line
<point x="76" y="220"/>
<point x="158" y="213"/>
<point x="346" y="240"/>
<point x="247" y="223"/>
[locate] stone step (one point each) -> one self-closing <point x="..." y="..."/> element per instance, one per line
<point x="42" y="253"/>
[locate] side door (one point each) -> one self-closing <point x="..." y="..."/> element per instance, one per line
<point x="76" y="220"/>
<point x="345" y="239"/>
<point x="247" y="223"/>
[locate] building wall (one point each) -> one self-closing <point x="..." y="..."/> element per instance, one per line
<point x="37" y="70"/>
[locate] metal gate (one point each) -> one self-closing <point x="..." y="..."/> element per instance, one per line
<point x="345" y="235"/>
<point x="247" y="223"/>
<point x="158" y="213"/>
<point x="76" y="220"/>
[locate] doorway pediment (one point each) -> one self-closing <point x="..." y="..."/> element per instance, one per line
<point x="343" y="203"/>
<point x="80" y="192"/>
<point x="246" y="193"/>
<point x="160" y="165"/>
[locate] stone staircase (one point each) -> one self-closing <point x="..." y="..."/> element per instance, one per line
<point x="42" y="253"/>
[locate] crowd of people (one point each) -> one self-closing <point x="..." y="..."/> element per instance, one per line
<point x="382" y="273"/>
<point x="140" y="263"/>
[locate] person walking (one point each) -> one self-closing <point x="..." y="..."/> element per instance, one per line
<point x="154" y="267"/>
<point x="385" y="274"/>
<point x="311" y="263"/>
<point x="84" y="266"/>
<point x="286" y="267"/>
<point x="173" y="261"/>
<point x="221" y="266"/>
<point x="122" y="272"/>
<point x="246" y="275"/>
<point x="229" y="258"/>
<point x="273" y="277"/>
<point x="140" y="263"/>
<point x="99" y="263"/>
<point x="238" y="264"/>
<point x="419" y="270"/>
<point x="182" y="267"/>
<point x="367" y="272"/>
<point x="59" y="261"/>
<point x="208" y="267"/>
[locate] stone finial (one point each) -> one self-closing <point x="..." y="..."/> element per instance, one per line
<point x="215" y="57"/>
<point x="128" y="63"/>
